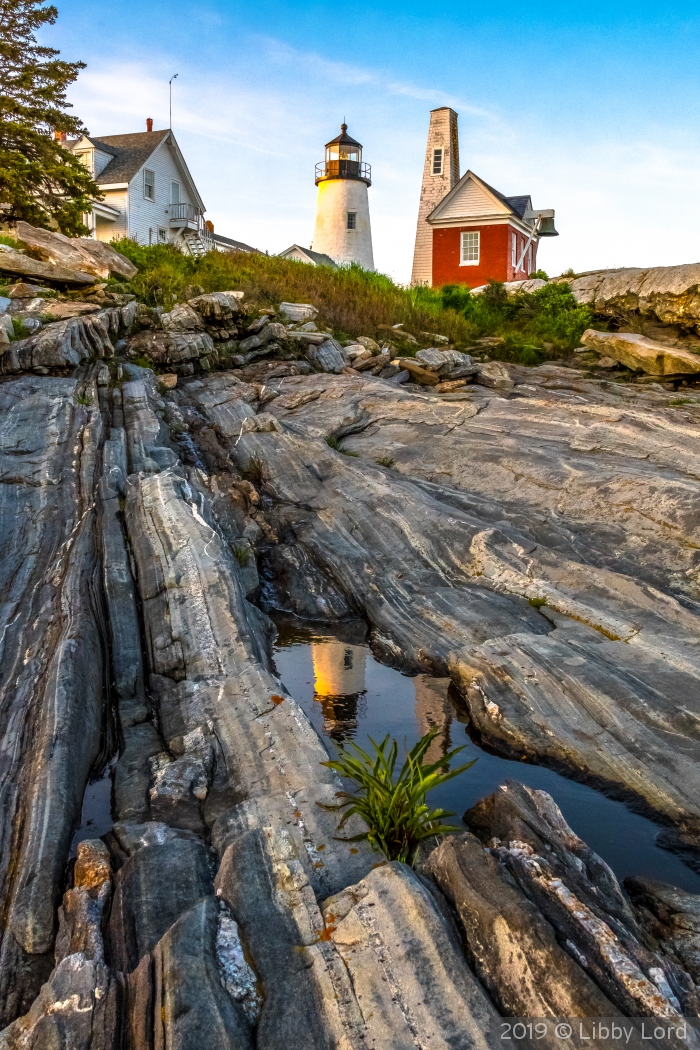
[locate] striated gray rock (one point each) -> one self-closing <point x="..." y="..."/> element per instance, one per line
<point x="173" y="347"/>
<point x="272" y="331"/>
<point x="51" y="661"/>
<point x="18" y="265"/>
<point x="579" y="895"/>
<point x="182" y="318"/>
<point x="178" y="995"/>
<point x="671" y="917"/>
<point x="218" y="307"/>
<point x="408" y="972"/>
<point x="326" y="357"/>
<point x="514" y="949"/>
<point x="64" y="344"/>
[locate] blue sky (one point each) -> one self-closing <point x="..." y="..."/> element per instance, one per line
<point x="590" y="108"/>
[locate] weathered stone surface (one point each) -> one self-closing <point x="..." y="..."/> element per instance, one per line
<point x="579" y="895"/>
<point x="217" y="307"/>
<point x="298" y="311"/>
<point x="671" y="917"/>
<point x="182" y="318"/>
<point x="147" y="901"/>
<point x="172" y="347"/>
<point x="327" y="357"/>
<point x="271" y="331"/>
<point x="79" y="1008"/>
<point x="669" y="293"/>
<point x="62" y="311"/>
<point x="513" y="948"/>
<point x="51" y="671"/>
<point x="494" y="375"/>
<point x="642" y="354"/>
<point x="63" y="344"/>
<point x="18" y="265"/>
<point x="418" y="373"/>
<point x="408" y="972"/>
<point x="177" y="996"/>
<point x="78" y="253"/>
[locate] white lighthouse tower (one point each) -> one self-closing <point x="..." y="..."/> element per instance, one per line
<point x="343" y="228"/>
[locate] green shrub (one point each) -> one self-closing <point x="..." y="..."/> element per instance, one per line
<point x="385" y="461"/>
<point x="394" y="808"/>
<point x="83" y="398"/>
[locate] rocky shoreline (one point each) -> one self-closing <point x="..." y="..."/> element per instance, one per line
<point x="532" y="535"/>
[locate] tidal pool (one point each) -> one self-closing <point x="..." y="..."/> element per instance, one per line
<point x="348" y="695"/>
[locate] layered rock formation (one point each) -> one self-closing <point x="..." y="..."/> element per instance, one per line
<point x="538" y="548"/>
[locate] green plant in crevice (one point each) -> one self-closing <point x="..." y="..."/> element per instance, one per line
<point x="385" y="461"/>
<point x="83" y="398"/>
<point x="334" y="443"/>
<point x="242" y="555"/>
<point x="537" y="603"/>
<point x="394" y="806"/>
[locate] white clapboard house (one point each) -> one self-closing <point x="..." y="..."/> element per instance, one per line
<point x="149" y="194"/>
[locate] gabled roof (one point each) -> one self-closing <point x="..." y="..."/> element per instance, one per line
<point x="316" y="258"/>
<point x="502" y="205"/>
<point x="131" y="152"/>
<point x="227" y="242"/>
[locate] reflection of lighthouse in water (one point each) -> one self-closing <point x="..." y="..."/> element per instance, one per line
<point x="339" y="672"/>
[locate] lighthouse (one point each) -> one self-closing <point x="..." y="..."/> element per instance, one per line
<point x="343" y="229"/>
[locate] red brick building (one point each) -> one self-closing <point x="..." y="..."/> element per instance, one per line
<point x="479" y="235"/>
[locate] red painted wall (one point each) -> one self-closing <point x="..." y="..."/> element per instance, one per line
<point x="495" y="256"/>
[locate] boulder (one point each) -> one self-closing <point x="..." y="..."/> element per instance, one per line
<point x="19" y="265"/>
<point x="218" y="307"/>
<point x="419" y="374"/>
<point x="668" y="293"/>
<point x="182" y="318"/>
<point x="272" y="331"/>
<point x="172" y="348"/>
<point x="298" y="311"/>
<point x="494" y="375"/>
<point x="63" y="344"/>
<point x="671" y="918"/>
<point x="532" y="284"/>
<point x="328" y="357"/>
<point x="79" y="253"/>
<point x="24" y="290"/>
<point x="641" y="353"/>
<point x="370" y="344"/>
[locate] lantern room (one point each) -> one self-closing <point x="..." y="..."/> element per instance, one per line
<point x="343" y="160"/>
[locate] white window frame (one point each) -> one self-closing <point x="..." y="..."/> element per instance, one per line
<point x="149" y="184"/>
<point x="514" y="250"/>
<point x="438" y="152"/>
<point x="162" y="235"/>
<point x="529" y="261"/>
<point x="469" y="240"/>
<point x="351" y="215"/>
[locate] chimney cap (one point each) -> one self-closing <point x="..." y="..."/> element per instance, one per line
<point x="149" y="123"/>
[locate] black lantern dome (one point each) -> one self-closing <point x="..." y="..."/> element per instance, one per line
<point x="343" y="160"/>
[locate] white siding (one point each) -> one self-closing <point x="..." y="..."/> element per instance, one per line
<point x="471" y="202"/>
<point x="110" y="231"/>
<point x="145" y="214"/>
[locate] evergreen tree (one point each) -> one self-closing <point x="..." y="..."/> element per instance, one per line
<point x="44" y="183"/>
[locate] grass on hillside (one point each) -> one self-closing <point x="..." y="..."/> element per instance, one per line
<point x="353" y="301"/>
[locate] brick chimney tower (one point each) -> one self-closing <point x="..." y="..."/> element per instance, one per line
<point x="149" y="123"/>
<point x="440" y="175"/>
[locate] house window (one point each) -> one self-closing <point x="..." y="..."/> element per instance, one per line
<point x="352" y="220"/>
<point x="470" y="248"/>
<point x="174" y="192"/>
<point x="149" y="184"/>
<point x="162" y="235"/>
<point x="437" y="162"/>
<point x="514" y="249"/>
<point x="529" y="260"/>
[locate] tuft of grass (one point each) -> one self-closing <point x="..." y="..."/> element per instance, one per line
<point x="255" y="471"/>
<point x="681" y="401"/>
<point x="242" y="555"/>
<point x="142" y="361"/>
<point x="394" y="807"/>
<point x="385" y="461"/>
<point x="10" y="241"/>
<point x="333" y="443"/>
<point x="83" y="398"/>
<point x="537" y="603"/>
<point x="162" y="389"/>
<point x="18" y="329"/>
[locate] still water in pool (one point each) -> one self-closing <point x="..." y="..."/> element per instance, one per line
<point x="347" y="694"/>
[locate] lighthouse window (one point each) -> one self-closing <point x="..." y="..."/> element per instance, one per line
<point x="347" y="659"/>
<point x="437" y="162"/>
<point x="352" y="220"/>
<point x="470" y="248"/>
